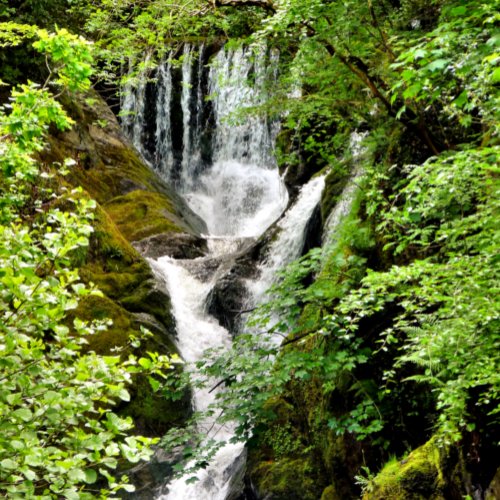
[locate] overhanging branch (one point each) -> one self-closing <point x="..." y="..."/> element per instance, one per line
<point x="264" y="4"/>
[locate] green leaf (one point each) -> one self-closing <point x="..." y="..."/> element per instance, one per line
<point x="461" y="100"/>
<point x="90" y="476"/>
<point x="155" y="385"/>
<point x="438" y="64"/>
<point x="77" y="475"/>
<point x="24" y="414"/>
<point x="495" y="76"/>
<point x="8" y="464"/>
<point x="124" y="395"/>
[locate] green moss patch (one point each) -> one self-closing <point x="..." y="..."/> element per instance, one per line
<point x="92" y="308"/>
<point x="140" y="214"/>
<point x="330" y="493"/>
<point x="288" y="479"/>
<point x="421" y="476"/>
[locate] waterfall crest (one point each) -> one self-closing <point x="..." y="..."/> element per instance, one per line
<point x="225" y="169"/>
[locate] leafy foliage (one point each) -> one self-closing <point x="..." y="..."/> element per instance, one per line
<point x="58" y="434"/>
<point x="428" y="313"/>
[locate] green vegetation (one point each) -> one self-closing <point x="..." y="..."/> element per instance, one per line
<point x="390" y="334"/>
<point x="59" y="436"/>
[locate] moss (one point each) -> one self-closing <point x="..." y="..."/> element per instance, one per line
<point x="310" y="319"/>
<point x="117" y="334"/>
<point x="140" y="214"/>
<point x="153" y="413"/>
<point x="109" y="246"/>
<point x="330" y="493"/>
<point x="287" y="479"/>
<point x="335" y="182"/>
<point x="424" y="475"/>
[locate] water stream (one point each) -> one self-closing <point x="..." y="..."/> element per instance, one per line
<point x="236" y="189"/>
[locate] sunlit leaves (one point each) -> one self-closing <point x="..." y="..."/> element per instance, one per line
<point x="57" y="430"/>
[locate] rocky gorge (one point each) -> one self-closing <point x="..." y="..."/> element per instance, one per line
<point x="299" y="210"/>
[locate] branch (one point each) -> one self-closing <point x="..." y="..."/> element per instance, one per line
<point x="265" y="4"/>
<point x="382" y="34"/>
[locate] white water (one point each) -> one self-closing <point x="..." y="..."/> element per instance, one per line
<point x="242" y="193"/>
<point x="196" y="332"/>
<point x="290" y="241"/>
<point x="238" y="199"/>
<point x="250" y="139"/>
<point x="346" y="199"/>
<point x="242" y="181"/>
<point x="164" y="158"/>
<point x="239" y="195"/>
<point x="133" y="106"/>
<point x="187" y="72"/>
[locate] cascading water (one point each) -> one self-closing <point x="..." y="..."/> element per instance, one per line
<point x="290" y="241"/>
<point x="345" y="201"/>
<point x="164" y="157"/>
<point x="196" y="332"/>
<point x="132" y="115"/>
<point x="236" y="189"/>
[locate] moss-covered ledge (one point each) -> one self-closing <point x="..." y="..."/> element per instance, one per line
<point x="110" y="169"/>
<point x="133" y="204"/>
<point x="431" y="472"/>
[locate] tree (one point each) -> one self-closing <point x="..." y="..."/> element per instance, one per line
<point x="59" y="437"/>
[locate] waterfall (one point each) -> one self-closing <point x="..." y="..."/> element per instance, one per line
<point x="345" y="201"/>
<point x="249" y="140"/>
<point x="238" y="192"/>
<point x="235" y="188"/>
<point x="133" y="106"/>
<point x="187" y="71"/>
<point x="241" y="193"/>
<point x="164" y="157"/>
<point x="287" y="246"/>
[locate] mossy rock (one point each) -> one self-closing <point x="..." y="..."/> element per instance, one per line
<point x="107" y="165"/>
<point x="429" y="473"/>
<point x="101" y="308"/>
<point x="140" y="214"/>
<point x="153" y="413"/>
<point x="287" y="479"/>
<point x="335" y="183"/>
<point x="330" y="493"/>
<point x="122" y="274"/>
<point x="493" y="491"/>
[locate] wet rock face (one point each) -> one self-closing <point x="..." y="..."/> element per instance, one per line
<point x="177" y="246"/>
<point x="228" y="300"/>
<point x="313" y="231"/>
<point x="147" y="477"/>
